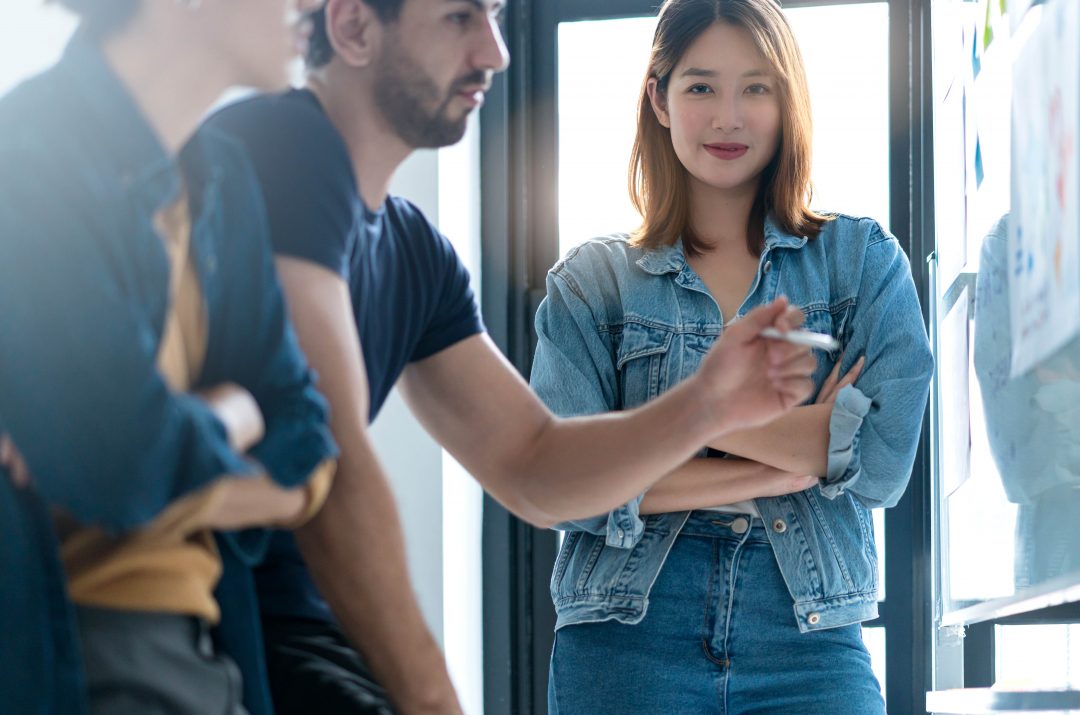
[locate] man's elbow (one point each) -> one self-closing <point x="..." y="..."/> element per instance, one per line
<point x="525" y="507"/>
<point x="514" y="490"/>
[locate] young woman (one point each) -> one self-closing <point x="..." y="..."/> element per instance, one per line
<point x="736" y="584"/>
<point x="152" y="388"/>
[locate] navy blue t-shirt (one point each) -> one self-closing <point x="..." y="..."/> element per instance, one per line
<point x="410" y="292"/>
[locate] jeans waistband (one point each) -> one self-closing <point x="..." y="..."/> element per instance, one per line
<point x="725" y="525"/>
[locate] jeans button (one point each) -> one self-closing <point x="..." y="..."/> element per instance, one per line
<point x="740" y="525"/>
<point x="814" y="619"/>
<point x="779" y="526"/>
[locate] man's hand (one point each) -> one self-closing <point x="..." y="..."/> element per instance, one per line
<point x="11" y="460"/>
<point x="749" y="380"/>
<point x="833" y="383"/>
<point x="237" y="409"/>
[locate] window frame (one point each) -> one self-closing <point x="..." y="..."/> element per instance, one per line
<point x="519" y="147"/>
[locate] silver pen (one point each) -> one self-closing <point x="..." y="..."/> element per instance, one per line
<point x="810" y="339"/>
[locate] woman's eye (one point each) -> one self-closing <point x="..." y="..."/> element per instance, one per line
<point x="758" y="89"/>
<point x="700" y="89"/>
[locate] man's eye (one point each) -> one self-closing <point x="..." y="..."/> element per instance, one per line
<point x="460" y="18"/>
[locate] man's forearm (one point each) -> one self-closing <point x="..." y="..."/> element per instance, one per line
<point x="355" y="550"/>
<point x="795" y="442"/>
<point x="570" y="472"/>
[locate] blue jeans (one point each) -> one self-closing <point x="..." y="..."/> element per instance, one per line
<point x="719" y="637"/>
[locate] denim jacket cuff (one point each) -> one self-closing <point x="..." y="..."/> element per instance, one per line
<point x="843" y="470"/>
<point x="625" y="525"/>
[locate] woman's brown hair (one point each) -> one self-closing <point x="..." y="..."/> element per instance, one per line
<point x="658" y="181"/>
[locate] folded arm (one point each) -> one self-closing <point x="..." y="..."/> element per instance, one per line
<point x="81" y="387"/>
<point x="705" y="483"/>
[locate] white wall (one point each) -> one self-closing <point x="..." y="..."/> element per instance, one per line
<point x="441" y="505"/>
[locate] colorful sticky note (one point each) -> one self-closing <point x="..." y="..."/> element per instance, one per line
<point x="976" y="65"/>
<point x="988" y="28"/>
<point x="979" y="173"/>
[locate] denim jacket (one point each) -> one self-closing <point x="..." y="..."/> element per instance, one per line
<point x="84" y="282"/>
<point x="620" y="325"/>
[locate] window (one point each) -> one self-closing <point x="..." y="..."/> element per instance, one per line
<point x="32" y="36"/>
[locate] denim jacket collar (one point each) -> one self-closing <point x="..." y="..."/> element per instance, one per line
<point x="672" y="259"/>
<point x="114" y="120"/>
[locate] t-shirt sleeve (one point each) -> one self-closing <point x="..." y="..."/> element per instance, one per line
<point x="455" y="315"/>
<point x="304" y="174"/>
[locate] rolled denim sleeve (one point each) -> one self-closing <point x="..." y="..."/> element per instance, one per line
<point x="103" y="435"/>
<point x="874" y="430"/>
<point x="847" y="417"/>
<point x="573" y="372"/>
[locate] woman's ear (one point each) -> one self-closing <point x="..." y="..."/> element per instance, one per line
<point x="658" y="99"/>
<point x="354" y="31"/>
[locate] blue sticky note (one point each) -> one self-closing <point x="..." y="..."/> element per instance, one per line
<point x="976" y="65"/>
<point x="979" y="173"/>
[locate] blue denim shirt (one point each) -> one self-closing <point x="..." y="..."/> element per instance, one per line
<point x="84" y="282"/>
<point x="620" y="325"/>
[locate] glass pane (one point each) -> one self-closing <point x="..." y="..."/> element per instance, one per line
<point x="874" y="638"/>
<point x="598" y="108"/>
<point x="32" y="35"/>
<point x="597" y="114"/>
<point x="1040" y="657"/>
<point x="849" y="91"/>
<point x="1008" y="437"/>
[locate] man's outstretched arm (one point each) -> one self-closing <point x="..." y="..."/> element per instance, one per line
<point x="548" y="470"/>
<point x="355" y="546"/>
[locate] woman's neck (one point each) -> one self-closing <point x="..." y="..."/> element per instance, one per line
<point x="721" y="218"/>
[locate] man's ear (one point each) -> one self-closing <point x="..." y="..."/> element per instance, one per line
<point x="354" y="30"/>
<point x="658" y="100"/>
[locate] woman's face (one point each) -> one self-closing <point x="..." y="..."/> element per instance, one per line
<point x="723" y="109"/>
<point x="256" y="38"/>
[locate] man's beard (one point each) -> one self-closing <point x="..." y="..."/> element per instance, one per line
<point x="403" y="92"/>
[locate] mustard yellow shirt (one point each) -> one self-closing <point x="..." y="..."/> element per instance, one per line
<point x="172" y="565"/>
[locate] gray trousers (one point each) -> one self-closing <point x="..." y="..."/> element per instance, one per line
<point x="155" y="664"/>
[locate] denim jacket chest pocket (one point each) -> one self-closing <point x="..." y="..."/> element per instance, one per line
<point x="829" y="319"/>
<point x="642" y="362"/>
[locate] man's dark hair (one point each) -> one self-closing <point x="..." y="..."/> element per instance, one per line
<point x="320" y="51"/>
<point x="101" y="18"/>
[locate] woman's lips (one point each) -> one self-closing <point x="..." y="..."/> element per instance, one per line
<point x="727" y="151"/>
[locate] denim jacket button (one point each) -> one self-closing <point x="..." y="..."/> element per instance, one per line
<point x="779" y="526"/>
<point x="622" y="535"/>
<point x="814" y="619"/>
<point x="768" y="266"/>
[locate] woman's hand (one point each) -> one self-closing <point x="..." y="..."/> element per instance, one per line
<point x="237" y="409"/>
<point x="833" y="384"/>
<point x="772" y="482"/>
